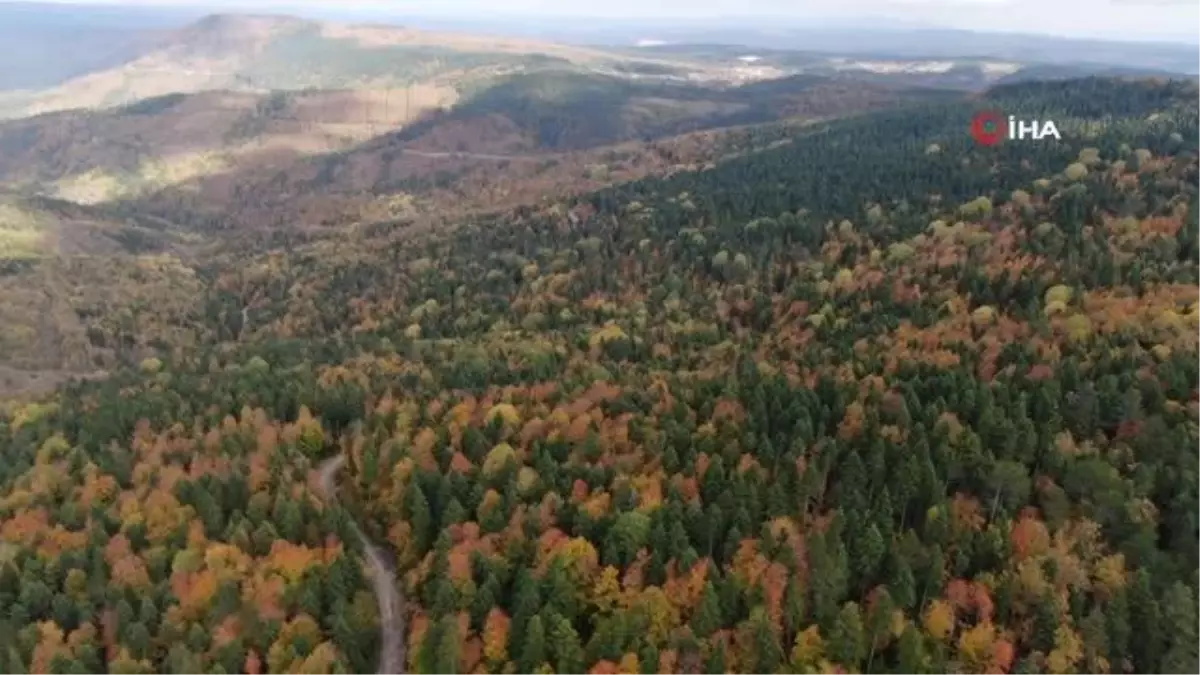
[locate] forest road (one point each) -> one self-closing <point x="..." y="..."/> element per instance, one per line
<point x="470" y="155"/>
<point x="382" y="574"/>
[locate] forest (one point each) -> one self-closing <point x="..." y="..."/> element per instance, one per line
<point x="872" y="400"/>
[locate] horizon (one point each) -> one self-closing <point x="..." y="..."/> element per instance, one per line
<point x="1124" y="21"/>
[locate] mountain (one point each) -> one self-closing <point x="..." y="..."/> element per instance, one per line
<point x="262" y="53"/>
<point x="46" y="44"/>
<point x="269" y="53"/>
<point x="903" y="42"/>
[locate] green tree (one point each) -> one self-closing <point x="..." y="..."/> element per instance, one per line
<point x="564" y="644"/>
<point x="847" y="640"/>
<point x="532" y="652"/>
<point x="449" y="645"/>
<point x="707" y="618"/>
<point x="1179" y="612"/>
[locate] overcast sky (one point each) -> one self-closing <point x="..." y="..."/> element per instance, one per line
<point x="1129" y="19"/>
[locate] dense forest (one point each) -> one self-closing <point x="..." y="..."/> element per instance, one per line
<point x="871" y="400"/>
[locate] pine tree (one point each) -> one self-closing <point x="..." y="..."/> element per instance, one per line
<point x="532" y="651"/>
<point x="868" y="549"/>
<point x="879" y="624"/>
<point x="565" y="647"/>
<point x="449" y="645"/>
<point x="1116" y="618"/>
<point x="847" y="641"/>
<point x="420" y="518"/>
<point x="768" y="653"/>
<point x="715" y="664"/>
<point x="1179" y="612"/>
<point x="707" y="618"/>
<point x="648" y="658"/>
<point x="794" y="610"/>
<point x="1144" y="613"/>
<point x="827" y="577"/>
<point x="912" y="652"/>
<point x="901" y="584"/>
<point x="527" y="602"/>
<point x="483" y="602"/>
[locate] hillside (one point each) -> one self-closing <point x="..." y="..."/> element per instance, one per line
<point x="566" y="110"/>
<point x="523" y="138"/>
<point x="863" y="397"/>
<point x="269" y="53"/>
<point x="85" y="290"/>
<point x="170" y="181"/>
<point x="92" y="156"/>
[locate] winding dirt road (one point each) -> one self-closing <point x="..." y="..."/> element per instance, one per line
<point x="382" y="574"/>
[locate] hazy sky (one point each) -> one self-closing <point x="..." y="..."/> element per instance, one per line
<point x="1130" y="19"/>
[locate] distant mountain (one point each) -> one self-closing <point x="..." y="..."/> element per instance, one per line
<point x="864" y="36"/>
<point x="46" y="44"/>
<point x="272" y="52"/>
<point x="949" y="43"/>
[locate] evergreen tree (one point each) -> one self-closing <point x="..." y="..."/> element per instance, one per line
<point x="532" y="652"/>
<point x="564" y="645"/>
<point x="1179" y="612"/>
<point x="767" y="652"/>
<point x="707" y="618"/>
<point x="847" y="640"/>
<point x="1144" y="613"/>
<point x="448" y="647"/>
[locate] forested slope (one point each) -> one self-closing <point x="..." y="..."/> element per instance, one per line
<point x="567" y="110"/>
<point x="876" y="399"/>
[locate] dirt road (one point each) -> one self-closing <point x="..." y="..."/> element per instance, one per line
<point x="470" y="155"/>
<point x="383" y="578"/>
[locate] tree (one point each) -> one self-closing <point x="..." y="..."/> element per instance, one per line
<point x="879" y="623"/>
<point x="532" y="652"/>
<point x="794" y="610"/>
<point x="1179" y="612"/>
<point x="707" y="618"/>
<point x="495" y="637"/>
<point x="526" y="604"/>
<point x="847" y="641"/>
<point x="564" y="645"/>
<point x="902" y="584"/>
<point x="716" y="662"/>
<point x="1144" y="613"/>
<point x="420" y="518"/>
<point x="767" y="653"/>
<point x="1010" y="486"/>
<point x="1119" y="632"/>
<point x="449" y="645"/>
<point x="912" y="652"/>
